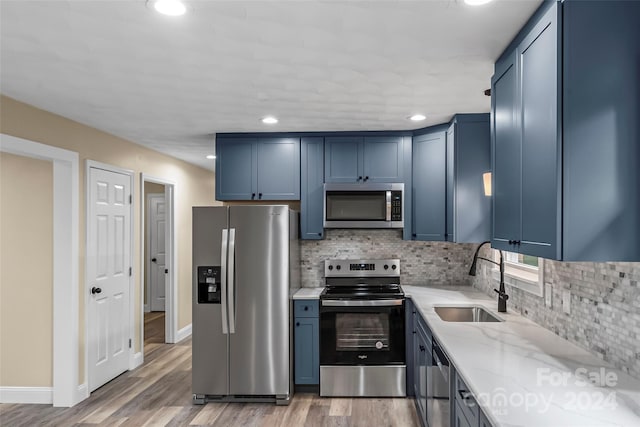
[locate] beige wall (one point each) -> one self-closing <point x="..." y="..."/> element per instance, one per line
<point x="26" y="271"/>
<point x="149" y="188"/>
<point x="194" y="186"/>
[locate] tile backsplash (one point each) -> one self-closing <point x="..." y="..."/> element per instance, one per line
<point x="605" y="297"/>
<point x="421" y="263"/>
<point x="604" y="306"/>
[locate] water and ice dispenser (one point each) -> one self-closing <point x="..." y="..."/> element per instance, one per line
<point x="209" y="285"/>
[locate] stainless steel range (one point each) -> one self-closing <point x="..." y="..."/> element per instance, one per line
<point x="362" y="337"/>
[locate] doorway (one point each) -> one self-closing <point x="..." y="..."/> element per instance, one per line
<point x="158" y="262"/>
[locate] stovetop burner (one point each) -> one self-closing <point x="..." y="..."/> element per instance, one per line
<point x="362" y="279"/>
<point x="362" y="292"/>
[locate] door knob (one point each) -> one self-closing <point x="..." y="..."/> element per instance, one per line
<point x="95" y="290"/>
<point x="154" y="260"/>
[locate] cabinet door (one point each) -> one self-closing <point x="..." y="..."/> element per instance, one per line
<point x="472" y="209"/>
<point x="312" y="191"/>
<point x="420" y="375"/>
<point x="278" y="169"/>
<point x="506" y="155"/>
<point x="450" y="193"/>
<point x="429" y="186"/>
<point x="343" y="159"/>
<point x="307" y="362"/>
<point x="235" y="168"/>
<point x="538" y="61"/>
<point x="382" y="159"/>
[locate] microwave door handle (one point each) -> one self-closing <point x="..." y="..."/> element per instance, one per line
<point x="223" y="279"/>
<point x="388" y="193"/>
<point x="232" y="280"/>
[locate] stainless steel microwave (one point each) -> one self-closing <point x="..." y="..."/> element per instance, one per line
<point x="367" y="205"/>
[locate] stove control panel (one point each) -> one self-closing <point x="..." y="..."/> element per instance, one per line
<point x="362" y="268"/>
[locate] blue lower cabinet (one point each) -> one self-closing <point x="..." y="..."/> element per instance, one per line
<point x="306" y="345"/>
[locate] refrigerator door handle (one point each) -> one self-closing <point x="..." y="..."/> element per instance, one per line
<point x="223" y="280"/>
<point x="232" y="280"/>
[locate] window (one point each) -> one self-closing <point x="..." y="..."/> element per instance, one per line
<point x="522" y="271"/>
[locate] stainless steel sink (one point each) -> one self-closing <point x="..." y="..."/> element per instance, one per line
<point x="466" y="314"/>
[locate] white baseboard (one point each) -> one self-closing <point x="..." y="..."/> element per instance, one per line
<point x="184" y="333"/>
<point x="136" y="361"/>
<point x="42" y="395"/>
<point x="147" y="308"/>
<point x="82" y="393"/>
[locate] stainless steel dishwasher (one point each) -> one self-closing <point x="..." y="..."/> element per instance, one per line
<point x="438" y="380"/>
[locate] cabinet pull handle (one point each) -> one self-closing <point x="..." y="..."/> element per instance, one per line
<point x="465" y="395"/>
<point x="306" y="308"/>
<point x="253" y="196"/>
<point x="319" y="234"/>
<point x="366" y="178"/>
<point x="259" y="195"/>
<point x="359" y="178"/>
<point x="297" y="323"/>
<point x="422" y="348"/>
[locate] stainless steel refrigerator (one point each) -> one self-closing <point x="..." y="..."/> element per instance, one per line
<point x="245" y="261"/>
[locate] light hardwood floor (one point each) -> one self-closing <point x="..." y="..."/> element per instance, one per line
<point x="159" y="394"/>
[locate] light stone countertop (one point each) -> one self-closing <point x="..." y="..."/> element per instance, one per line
<point x="308" y="293"/>
<point x="541" y="376"/>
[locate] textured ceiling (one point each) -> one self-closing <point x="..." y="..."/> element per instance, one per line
<point x="171" y="83"/>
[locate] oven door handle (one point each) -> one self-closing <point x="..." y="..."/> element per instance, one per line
<point x="362" y="303"/>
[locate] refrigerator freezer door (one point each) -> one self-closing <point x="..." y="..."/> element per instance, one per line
<point x="210" y="375"/>
<point x="259" y="349"/>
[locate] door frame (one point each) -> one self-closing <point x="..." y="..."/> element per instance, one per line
<point x="171" y="260"/>
<point x="134" y="359"/>
<point x="66" y="390"/>
<point x="147" y="242"/>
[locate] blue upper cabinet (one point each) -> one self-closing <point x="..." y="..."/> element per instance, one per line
<point x="429" y="186"/>
<point x="354" y="159"/>
<point x="447" y="191"/>
<point x="382" y="159"/>
<point x="565" y="104"/>
<point x="343" y="159"/>
<point x="278" y="169"/>
<point x="468" y="158"/>
<point x="525" y="143"/>
<point x="311" y="188"/>
<point x="601" y="131"/>
<point x="506" y="149"/>
<point x="236" y="165"/>
<point x="257" y="168"/>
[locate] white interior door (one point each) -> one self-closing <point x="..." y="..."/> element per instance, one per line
<point x="157" y="251"/>
<point x="108" y="270"/>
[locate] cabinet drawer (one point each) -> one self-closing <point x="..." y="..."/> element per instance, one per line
<point x="305" y="308"/>
<point x="466" y="402"/>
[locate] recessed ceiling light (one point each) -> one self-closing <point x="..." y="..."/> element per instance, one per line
<point x="417" y="117"/>
<point x="476" y="2"/>
<point x="170" y="7"/>
<point x="269" y="120"/>
<point x="211" y="156"/>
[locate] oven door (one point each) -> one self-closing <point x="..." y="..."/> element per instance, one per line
<point x="362" y="332"/>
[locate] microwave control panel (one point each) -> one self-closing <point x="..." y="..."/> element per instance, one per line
<point x="396" y="206"/>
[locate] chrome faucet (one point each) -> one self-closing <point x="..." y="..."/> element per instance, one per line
<point x="502" y="295"/>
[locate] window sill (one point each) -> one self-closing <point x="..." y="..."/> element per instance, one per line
<point x="527" y="281"/>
